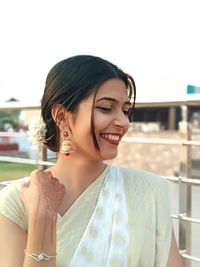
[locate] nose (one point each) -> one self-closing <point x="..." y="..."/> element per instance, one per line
<point x="121" y="120"/>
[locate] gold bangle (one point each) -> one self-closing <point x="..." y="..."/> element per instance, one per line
<point x="40" y="257"/>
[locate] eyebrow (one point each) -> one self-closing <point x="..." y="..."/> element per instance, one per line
<point x="113" y="100"/>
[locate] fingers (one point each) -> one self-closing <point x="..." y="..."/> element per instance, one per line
<point x="36" y="172"/>
<point x="41" y="176"/>
<point x="42" y="187"/>
<point x="46" y="177"/>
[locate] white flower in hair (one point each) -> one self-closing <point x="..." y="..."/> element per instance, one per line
<point x="37" y="131"/>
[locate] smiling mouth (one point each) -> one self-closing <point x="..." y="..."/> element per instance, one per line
<point x="113" y="139"/>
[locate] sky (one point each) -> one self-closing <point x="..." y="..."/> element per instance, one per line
<point x="157" y="42"/>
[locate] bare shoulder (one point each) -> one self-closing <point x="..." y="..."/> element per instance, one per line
<point x="12" y="242"/>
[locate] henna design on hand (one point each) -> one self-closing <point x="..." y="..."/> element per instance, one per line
<point x="50" y="189"/>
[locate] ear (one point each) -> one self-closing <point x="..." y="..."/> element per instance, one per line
<point x="59" y="115"/>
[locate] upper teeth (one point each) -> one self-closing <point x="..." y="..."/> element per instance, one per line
<point x="111" y="136"/>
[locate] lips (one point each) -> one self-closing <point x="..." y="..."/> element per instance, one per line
<point x="111" y="138"/>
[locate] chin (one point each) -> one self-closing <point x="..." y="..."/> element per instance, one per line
<point x="108" y="156"/>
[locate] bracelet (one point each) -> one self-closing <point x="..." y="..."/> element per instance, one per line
<point x="39" y="257"/>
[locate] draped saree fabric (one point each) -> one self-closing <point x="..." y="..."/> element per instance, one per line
<point x="121" y="219"/>
<point x="105" y="240"/>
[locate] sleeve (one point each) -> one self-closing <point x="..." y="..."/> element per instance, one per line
<point x="11" y="205"/>
<point x="163" y="223"/>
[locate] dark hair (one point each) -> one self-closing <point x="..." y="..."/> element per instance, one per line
<point x="72" y="80"/>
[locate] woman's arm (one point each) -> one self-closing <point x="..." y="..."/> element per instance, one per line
<point x="12" y="243"/>
<point x="41" y="239"/>
<point x="42" y="197"/>
<point x="174" y="256"/>
<point x="13" y="240"/>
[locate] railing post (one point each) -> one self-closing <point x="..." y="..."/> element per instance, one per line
<point x="185" y="190"/>
<point x="42" y="156"/>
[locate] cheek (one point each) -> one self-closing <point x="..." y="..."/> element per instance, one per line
<point x="82" y="132"/>
<point x="101" y="122"/>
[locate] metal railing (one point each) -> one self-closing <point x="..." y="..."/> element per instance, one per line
<point x="182" y="218"/>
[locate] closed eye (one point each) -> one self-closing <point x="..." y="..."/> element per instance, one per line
<point x="104" y="109"/>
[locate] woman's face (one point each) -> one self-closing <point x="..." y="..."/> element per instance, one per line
<point x="110" y="121"/>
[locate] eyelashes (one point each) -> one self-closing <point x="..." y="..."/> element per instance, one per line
<point x="104" y="109"/>
<point x="107" y="110"/>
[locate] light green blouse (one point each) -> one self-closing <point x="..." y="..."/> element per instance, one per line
<point x="150" y="226"/>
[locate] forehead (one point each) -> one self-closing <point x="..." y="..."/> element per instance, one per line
<point x="114" y="88"/>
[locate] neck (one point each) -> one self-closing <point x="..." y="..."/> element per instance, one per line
<point x="77" y="172"/>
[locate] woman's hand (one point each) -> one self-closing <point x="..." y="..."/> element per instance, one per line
<point x="42" y="193"/>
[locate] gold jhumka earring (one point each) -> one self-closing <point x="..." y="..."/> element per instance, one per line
<point x="66" y="142"/>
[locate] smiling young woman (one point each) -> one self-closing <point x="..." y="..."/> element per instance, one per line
<point x="81" y="211"/>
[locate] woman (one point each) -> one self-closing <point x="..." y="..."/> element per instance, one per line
<point x="81" y="211"/>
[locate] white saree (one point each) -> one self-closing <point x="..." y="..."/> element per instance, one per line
<point x="106" y="239"/>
